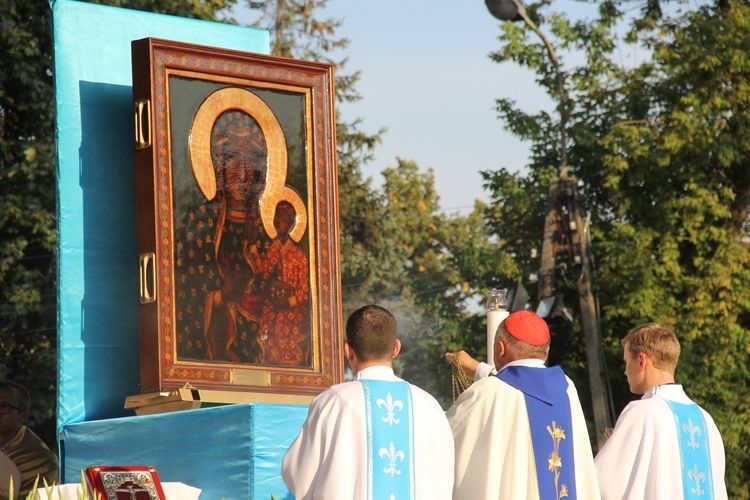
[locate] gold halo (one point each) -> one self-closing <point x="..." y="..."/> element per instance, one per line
<point x="276" y="189"/>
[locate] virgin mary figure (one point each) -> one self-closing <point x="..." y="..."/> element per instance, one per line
<point x="220" y="259"/>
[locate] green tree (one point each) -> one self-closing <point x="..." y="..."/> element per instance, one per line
<point x="661" y="153"/>
<point x="209" y="10"/>
<point x="446" y="264"/>
<point x="691" y="154"/>
<point x="298" y="30"/>
<point x="28" y="296"/>
<point x="414" y="227"/>
<point x="396" y="249"/>
<point x="27" y="205"/>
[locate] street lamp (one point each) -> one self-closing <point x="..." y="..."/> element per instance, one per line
<point x="512" y="10"/>
<point x="563" y="191"/>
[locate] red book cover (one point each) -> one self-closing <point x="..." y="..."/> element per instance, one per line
<point x="128" y="482"/>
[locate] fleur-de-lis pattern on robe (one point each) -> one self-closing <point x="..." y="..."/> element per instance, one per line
<point x="695" y="459"/>
<point x="390" y="439"/>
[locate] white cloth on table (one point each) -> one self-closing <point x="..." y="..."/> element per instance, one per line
<point x="641" y="459"/>
<point x="328" y="459"/>
<point x="494" y="450"/>
<point x="69" y="491"/>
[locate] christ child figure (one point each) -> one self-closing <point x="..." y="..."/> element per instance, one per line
<point x="285" y="336"/>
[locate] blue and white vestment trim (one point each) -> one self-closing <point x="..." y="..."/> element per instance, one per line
<point x="390" y="440"/>
<point x="695" y="457"/>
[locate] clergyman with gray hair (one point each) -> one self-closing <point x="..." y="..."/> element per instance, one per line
<point x="520" y="432"/>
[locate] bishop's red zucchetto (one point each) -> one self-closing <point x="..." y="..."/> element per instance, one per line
<point x="527" y="327"/>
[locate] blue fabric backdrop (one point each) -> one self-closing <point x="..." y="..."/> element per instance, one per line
<point x="231" y="451"/>
<point x="98" y="346"/>
<point x="228" y="451"/>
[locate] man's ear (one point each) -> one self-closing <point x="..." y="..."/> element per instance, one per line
<point x="349" y="351"/>
<point x="500" y="348"/>
<point x="396" y="348"/>
<point x="642" y="360"/>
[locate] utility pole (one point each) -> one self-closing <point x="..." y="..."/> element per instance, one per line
<point x="550" y="239"/>
<point x="565" y="232"/>
<point x="601" y="397"/>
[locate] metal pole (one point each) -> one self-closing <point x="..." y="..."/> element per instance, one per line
<point x="562" y="94"/>
<point x="600" y="395"/>
<point x="547" y="268"/>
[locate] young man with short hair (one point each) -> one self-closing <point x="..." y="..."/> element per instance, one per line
<point x="378" y="437"/>
<point x="664" y="446"/>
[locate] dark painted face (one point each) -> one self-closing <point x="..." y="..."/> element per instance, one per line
<point x="243" y="165"/>
<point x="285" y="218"/>
<point x="239" y="151"/>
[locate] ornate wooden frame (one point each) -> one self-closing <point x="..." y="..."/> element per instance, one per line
<point x="182" y="94"/>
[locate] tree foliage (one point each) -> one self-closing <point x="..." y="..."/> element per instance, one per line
<point x="298" y="30"/>
<point x="28" y="302"/>
<point x="397" y="250"/>
<point x="27" y="205"/>
<point x="209" y="10"/>
<point x="661" y="153"/>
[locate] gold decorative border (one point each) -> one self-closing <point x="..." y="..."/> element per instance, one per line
<point x="276" y="189"/>
<point x="320" y="151"/>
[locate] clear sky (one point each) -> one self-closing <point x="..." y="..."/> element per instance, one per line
<point x="428" y="78"/>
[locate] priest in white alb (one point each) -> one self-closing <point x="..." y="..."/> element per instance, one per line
<point x="664" y="446"/>
<point x="377" y="437"/>
<point x="520" y="433"/>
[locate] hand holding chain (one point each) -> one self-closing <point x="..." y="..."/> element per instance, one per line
<point x="459" y="380"/>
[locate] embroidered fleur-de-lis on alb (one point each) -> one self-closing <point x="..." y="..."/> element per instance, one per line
<point x="391" y="406"/>
<point x="391" y="455"/>
<point x="697" y="477"/>
<point x="693" y="430"/>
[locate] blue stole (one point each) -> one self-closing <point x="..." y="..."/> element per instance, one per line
<point x="548" y="407"/>
<point x="390" y="440"/>
<point x="695" y="459"/>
